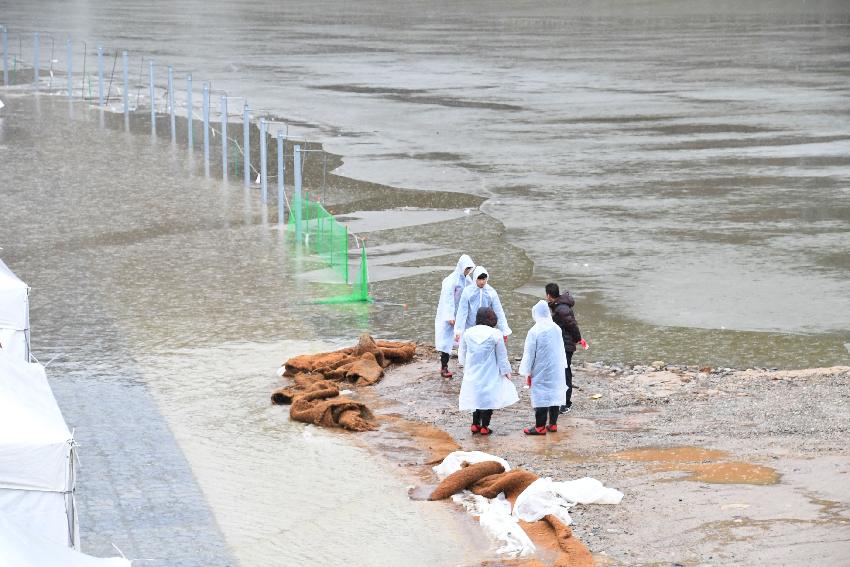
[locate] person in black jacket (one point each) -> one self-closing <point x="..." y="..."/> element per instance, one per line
<point x="562" y="314"/>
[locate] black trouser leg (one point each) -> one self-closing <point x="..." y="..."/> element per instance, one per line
<point x="568" y="373"/>
<point x="476" y="417"/>
<point x="540" y="416"/>
<point x="553" y="415"/>
<point x="444" y="359"/>
<point x="486" y="414"/>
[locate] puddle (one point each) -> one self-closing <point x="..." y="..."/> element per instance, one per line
<point x="723" y="473"/>
<point x="671" y="454"/>
<point x="549" y="448"/>
<point x="693" y="460"/>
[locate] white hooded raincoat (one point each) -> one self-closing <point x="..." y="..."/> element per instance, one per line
<point x="453" y="286"/>
<point x="544" y="358"/>
<point x="484" y="357"/>
<point x="474" y="297"/>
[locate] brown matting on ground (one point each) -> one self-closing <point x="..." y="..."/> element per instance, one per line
<point x="314" y="392"/>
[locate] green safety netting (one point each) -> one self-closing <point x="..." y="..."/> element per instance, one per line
<point x="325" y="236"/>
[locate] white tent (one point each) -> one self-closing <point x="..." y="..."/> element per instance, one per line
<point x="21" y="548"/>
<point x="36" y="455"/>
<point x="14" y="314"/>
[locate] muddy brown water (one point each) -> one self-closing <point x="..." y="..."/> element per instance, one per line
<point x="701" y="465"/>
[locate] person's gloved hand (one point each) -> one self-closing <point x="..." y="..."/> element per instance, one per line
<point x="584" y="344"/>
<point x="528" y="380"/>
<point x="506" y="339"/>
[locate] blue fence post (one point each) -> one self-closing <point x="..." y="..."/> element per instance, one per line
<point x="206" y="115"/>
<point x="36" y="58"/>
<point x="171" y="104"/>
<point x="224" y="137"/>
<point x="246" y="144"/>
<point x="125" y="67"/>
<point x="297" y="199"/>
<point x="153" y="99"/>
<point x="70" y="56"/>
<point x="190" y="110"/>
<point x="280" y="170"/>
<point x="264" y="179"/>
<point x="5" y="56"/>
<point x="99" y="75"/>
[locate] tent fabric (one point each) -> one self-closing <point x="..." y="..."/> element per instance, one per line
<point x="34" y="440"/>
<point x="41" y="513"/>
<point x="14" y="313"/>
<point x="36" y="454"/>
<point x="21" y="547"/>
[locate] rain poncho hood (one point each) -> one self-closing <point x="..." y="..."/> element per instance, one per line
<point x="544" y="359"/>
<point x="541" y="314"/>
<point x="484" y="357"/>
<point x="474" y="297"/>
<point x="452" y="288"/>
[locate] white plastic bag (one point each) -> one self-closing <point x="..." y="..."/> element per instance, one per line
<point x="494" y="515"/>
<point x="539" y="500"/>
<point x="587" y="491"/>
<point x="453" y="461"/>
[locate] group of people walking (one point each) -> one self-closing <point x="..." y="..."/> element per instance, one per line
<point x="470" y="316"/>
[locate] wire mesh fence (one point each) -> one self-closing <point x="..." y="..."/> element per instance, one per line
<point x="139" y="91"/>
<point x="321" y="233"/>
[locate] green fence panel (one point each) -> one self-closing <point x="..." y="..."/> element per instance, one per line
<point x="328" y="238"/>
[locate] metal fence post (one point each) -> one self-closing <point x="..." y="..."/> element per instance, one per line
<point x="99" y="75"/>
<point x="36" y="58"/>
<point x="171" y="104"/>
<point x="189" y="112"/>
<point x="280" y="170"/>
<point x="70" y="55"/>
<point x="297" y="173"/>
<point x="5" y="56"/>
<point x="264" y="179"/>
<point x="246" y="145"/>
<point x="153" y="99"/>
<point x="206" y="116"/>
<point x="224" y="137"/>
<point x="125" y="64"/>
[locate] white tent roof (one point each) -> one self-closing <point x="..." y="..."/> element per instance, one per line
<point x="19" y="547"/>
<point x="36" y="454"/>
<point x="33" y="435"/>
<point x="14" y="314"/>
<point x="14" y="307"/>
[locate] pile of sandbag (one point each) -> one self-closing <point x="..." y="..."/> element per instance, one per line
<point x="362" y="364"/>
<point x="314" y="392"/>
<point x="505" y="500"/>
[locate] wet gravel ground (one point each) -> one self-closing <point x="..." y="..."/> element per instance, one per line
<point x="793" y="424"/>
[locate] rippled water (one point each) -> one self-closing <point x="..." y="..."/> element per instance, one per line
<point x="683" y="169"/>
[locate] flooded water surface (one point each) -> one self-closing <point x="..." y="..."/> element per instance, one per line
<point x="685" y="174"/>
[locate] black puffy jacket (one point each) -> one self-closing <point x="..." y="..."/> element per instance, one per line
<point x="562" y="314"/>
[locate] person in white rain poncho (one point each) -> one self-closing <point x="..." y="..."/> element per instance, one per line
<point x="486" y="371"/>
<point x="444" y="322"/>
<point x="475" y="297"/>
<point x="543" y="364"/>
